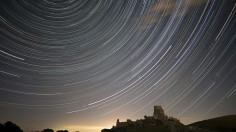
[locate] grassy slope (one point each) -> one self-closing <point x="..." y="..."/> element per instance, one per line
<point x="224" y="122"/>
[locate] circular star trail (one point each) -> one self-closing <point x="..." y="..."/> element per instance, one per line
<point x="117" y="58"/>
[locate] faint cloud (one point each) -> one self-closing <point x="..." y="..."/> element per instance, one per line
<point x="164" y="8"/>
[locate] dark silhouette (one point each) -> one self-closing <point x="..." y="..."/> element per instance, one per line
<point x="9" y="127"/>
<point x="1" y="127"/>
<point x="47" y="130"/>
<point x="160" y="122"/>
<point x="222" y="124"/>
<point x="62" y="131"/>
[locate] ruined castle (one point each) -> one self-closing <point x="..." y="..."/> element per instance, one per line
<point x="158" y="115"/>
<point x="158" y="122"/>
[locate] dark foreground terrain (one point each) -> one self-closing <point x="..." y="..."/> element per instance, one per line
<point x="223" y="124"/>
<point x="160" y="122"/>
<point x="219" y="124"/>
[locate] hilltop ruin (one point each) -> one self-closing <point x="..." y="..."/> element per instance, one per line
<point x="158" y="122"/>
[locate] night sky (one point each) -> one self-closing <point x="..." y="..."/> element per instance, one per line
<point x="82" y="64"/>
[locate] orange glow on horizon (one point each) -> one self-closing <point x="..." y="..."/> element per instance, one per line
<point x="83" y="128"/>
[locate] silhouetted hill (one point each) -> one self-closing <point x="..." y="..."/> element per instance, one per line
<point x="223" y="124"/>
<point x="159" y="122"/>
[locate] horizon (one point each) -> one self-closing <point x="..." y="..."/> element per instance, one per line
<point x="74" y="128"/>
<point x="84" y="64"/>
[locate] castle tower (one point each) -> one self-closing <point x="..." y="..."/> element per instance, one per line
<point x="159" y="113"/>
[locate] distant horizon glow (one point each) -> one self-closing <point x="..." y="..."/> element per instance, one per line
<point x="80" y="128"/>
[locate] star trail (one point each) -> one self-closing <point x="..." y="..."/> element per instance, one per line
<point x="83" y="64"/>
